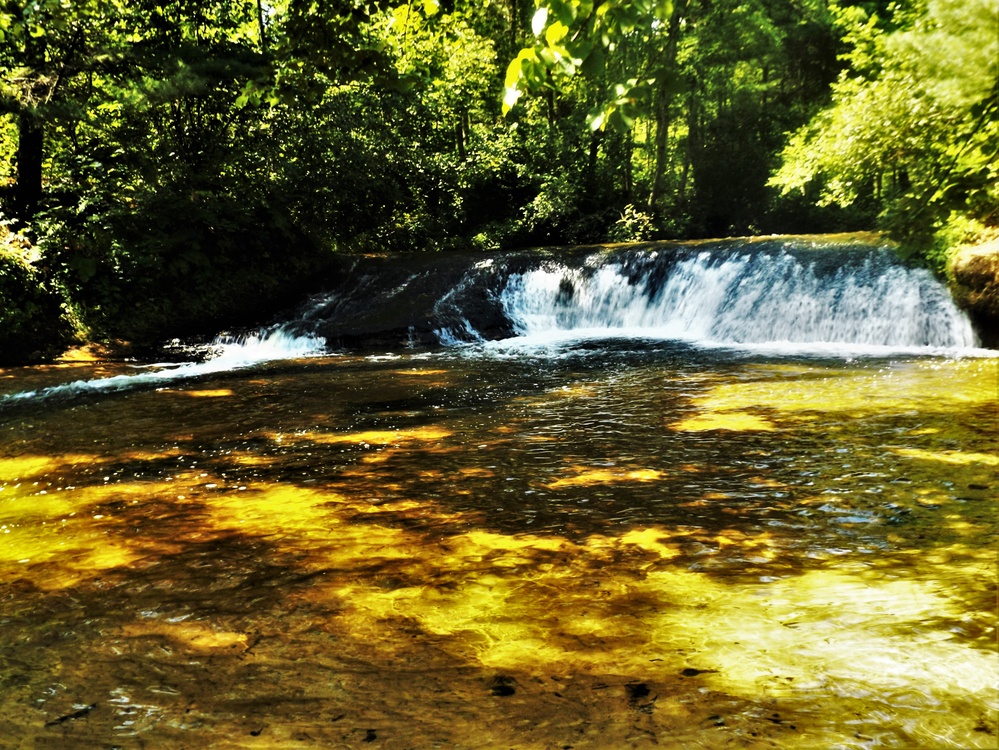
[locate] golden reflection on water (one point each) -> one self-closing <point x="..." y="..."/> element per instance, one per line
<point x="951" y="457"/>
<point x="352" y="553"/>
<point x="582" y="477"/>
<point x="920" y="385"/>
<point x="209" y="393"/>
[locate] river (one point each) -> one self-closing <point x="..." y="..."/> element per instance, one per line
<point x="638" y="520"/>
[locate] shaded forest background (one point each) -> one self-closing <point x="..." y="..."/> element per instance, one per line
<point x="176" y="167"/>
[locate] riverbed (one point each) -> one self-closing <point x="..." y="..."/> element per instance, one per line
<point x="591" y="544"/>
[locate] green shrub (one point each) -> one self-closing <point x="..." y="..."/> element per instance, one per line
<point x="34" y="319"/>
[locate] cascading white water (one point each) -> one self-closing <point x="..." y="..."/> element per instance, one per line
<point x="794" y="301"/>
<point x="228" y="353"/>
<point x="263" y="346"/>
<point x="742" y="299"/>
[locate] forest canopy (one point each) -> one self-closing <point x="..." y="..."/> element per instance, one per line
<point x="171" y="167"/>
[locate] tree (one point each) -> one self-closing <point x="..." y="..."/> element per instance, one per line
<point x="575" y="36"/>
<point x="705" y="90"/>
<point x="914" y="124"/>
<point x="42" y="47"/>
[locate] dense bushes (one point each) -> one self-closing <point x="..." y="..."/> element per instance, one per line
<point x="184" y="264"/>
<point x="34" y="316"/>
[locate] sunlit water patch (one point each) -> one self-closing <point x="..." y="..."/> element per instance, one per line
<point x="619" y="546"/>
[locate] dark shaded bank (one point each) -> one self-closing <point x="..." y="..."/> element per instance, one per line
<point x="34" y="321"/>
<point x="187" y="275"/>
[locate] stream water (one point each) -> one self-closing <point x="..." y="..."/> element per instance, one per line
<point x="626" y="525"/>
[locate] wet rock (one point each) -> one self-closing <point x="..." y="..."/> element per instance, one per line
<point x="639" y="697"/>
<point x="502" y="686"/>
<point x="974" y="274"/>
<point x="402" y="301"/>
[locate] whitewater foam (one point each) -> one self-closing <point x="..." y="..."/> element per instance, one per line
<point x="761" y="301"/>
<point x="227" y="353"/>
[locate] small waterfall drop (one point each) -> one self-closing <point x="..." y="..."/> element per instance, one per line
<point x="780" y="295"/>
<point x="263" y="346"/>
<point x="741" y="299"/>
<point x="225" y="353"/>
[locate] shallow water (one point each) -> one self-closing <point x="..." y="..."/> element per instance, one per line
<point x="610" y="544"/>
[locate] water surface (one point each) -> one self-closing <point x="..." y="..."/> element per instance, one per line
<point x="596" y="544"/>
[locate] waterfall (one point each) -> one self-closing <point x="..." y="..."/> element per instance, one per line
<point x="781" y="295"/>
<point x="225" y="353"/>
<point x="739" y="299"/>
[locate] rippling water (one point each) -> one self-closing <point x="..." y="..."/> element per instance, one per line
<point x="594" y="545"/>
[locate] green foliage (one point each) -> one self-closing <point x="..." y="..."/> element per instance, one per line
<point x="958" y="231"/>
<point x="34" y="318"/>
<point x="576" y="36"/>
<point x="914" y="125"/>
<point x="634" y="225"/>
<point x="183" y="165"/>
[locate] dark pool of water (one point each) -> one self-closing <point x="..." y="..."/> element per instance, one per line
<point x="610" y="545"/>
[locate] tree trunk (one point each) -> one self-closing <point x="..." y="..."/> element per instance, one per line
<point x="664" y="103"/>
<point x="30" y="140"/>
<point x="629" y="183"/>
<point x="662" y="108"/>
<point x="514" y="27"/>
<point x="594" y="154"/>
<point x="693" y="140"/>
<point x="261" y="27"/>
<point x="460" y="136"/>
<point x="30" y="150"/>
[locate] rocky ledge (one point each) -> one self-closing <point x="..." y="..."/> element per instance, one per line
<point x="974" y="278"/>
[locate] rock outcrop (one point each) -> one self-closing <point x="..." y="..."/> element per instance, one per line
<point x="974" y="274"/>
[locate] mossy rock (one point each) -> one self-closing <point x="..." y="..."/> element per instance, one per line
<point x="974" y="274"/>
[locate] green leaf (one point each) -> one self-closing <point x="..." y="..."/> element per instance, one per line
<point x="620" y="122"/>
<point x="594" y="63"/>
<point x="548" y="56"/>
<point x="556" y="33"/>
<point x="596" y="118"/>
<point x="515" y="69"/>
<point x="564" y="10"/>
<point x="84" y="268"/>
